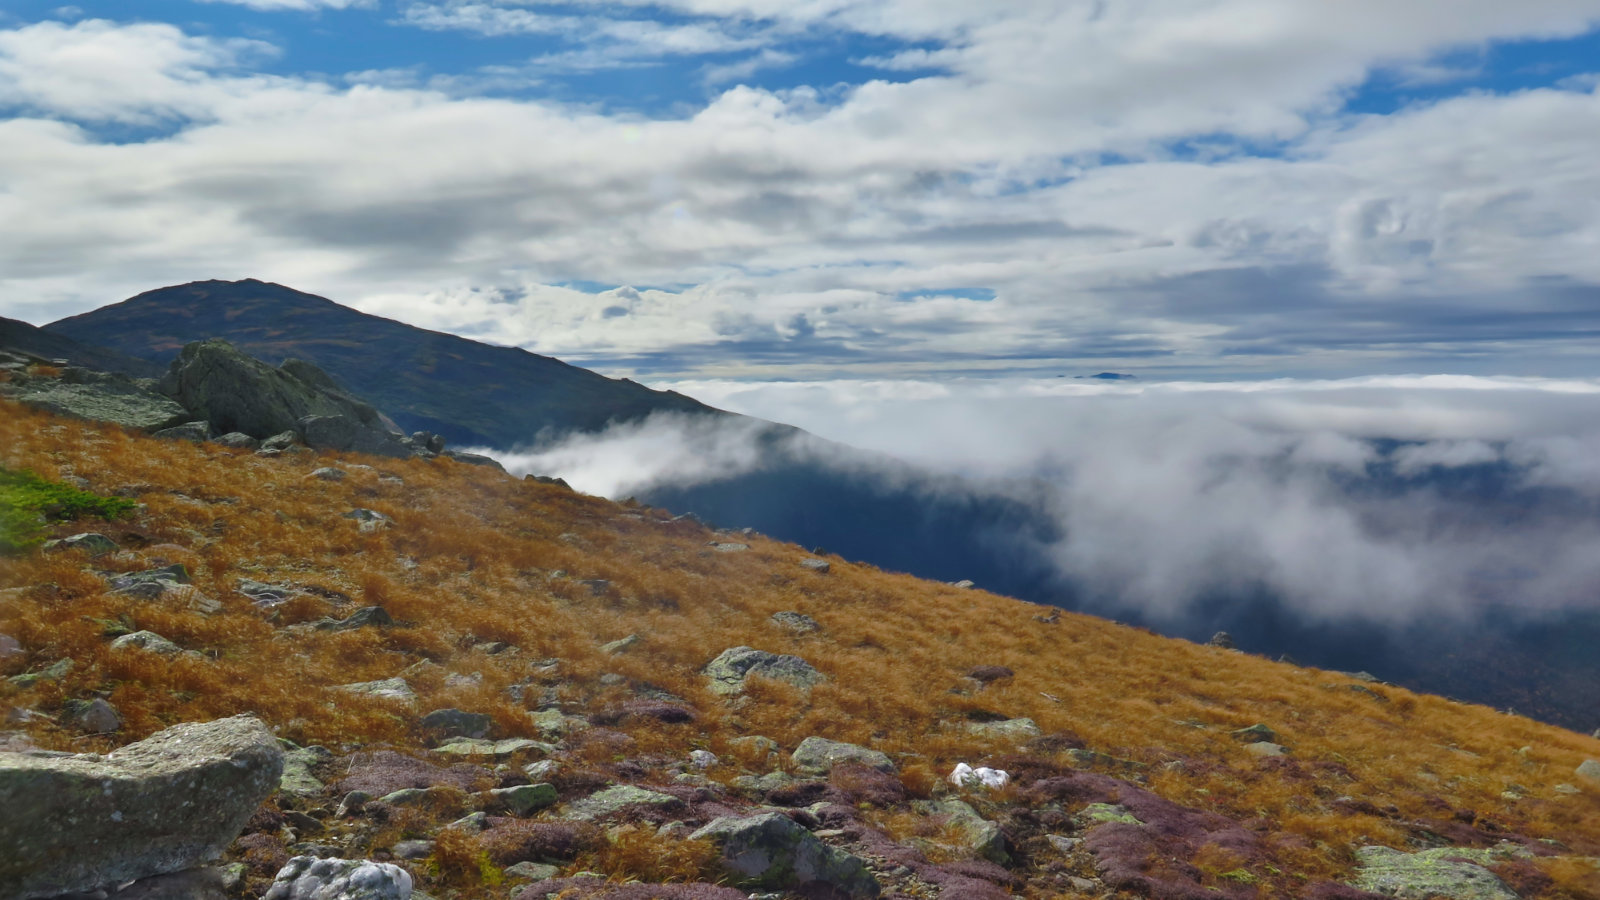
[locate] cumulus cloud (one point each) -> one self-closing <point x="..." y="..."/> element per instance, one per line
<point x="821" y="230"/>
<point x="1374" y="499"/>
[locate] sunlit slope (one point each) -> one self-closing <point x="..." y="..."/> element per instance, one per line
<point x="474" y="556"/>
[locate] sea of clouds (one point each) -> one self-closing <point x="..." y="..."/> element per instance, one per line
<point x="1385" y="499"/>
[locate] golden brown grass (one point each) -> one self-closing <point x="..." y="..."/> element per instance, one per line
<point x="475" y="556"/>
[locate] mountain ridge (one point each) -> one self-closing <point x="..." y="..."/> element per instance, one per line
<point x="468" y="391"/>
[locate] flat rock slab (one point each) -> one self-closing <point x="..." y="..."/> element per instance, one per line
<point x="617" y="798"/>
<point x="1442" y="872"/>
<point x="165" y="804"/>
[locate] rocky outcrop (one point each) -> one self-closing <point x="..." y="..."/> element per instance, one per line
<point x="770" y="851"/>
<point x="79" y="822"/>
<point x="236" y="393"/>
<point x="731" y="667"/>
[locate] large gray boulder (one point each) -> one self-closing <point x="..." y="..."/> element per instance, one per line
<point x="731" y="667"/>
<point x="237" y="393"/>
<point x="770" y="851"/>
<point x="165" y="804"/>
<point x="309" y="878"/>
<point x="346" y="434"/>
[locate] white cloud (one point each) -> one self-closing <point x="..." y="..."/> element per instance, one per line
<point x="1165" y="492"/>
<point x="298" y="5"/>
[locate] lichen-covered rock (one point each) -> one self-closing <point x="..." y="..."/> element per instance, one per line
<point x="818" y="756"/>
<point x="105" y="398"/>
<point x="387" y="689"/>
<point x="298" y="763"/>
<point x="365" y="617"/>
<point x="1441" y="872"/>
<point x="147" y="641"/>
<point x="309" y="878"/>
<point x="977" y="834"/>
<point x="524" y="799"/>
<point x="76" y="823"/>
<point x="731" y="667"/>
<point x="497" y="749"/>
<point x="770" y="851"/>
<point x="1015" y="730"/>
<point x="88" y="543"/>
<point x="797" y="622"/>
<point x="616" y="798"/>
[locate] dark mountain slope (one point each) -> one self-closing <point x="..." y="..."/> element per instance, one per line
<point x="34" y="341"/>
<point x="471" y="393"/>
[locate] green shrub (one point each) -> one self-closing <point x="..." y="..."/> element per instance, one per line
<point x="28" y="503"/>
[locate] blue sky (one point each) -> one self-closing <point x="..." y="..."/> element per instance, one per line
<point x="758" y="190"/>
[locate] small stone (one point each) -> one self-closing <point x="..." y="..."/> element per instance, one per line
<point x="327" y="473"/>
<point x="1253" y="734"/>
<point x="1015" y="730"/>
<point x="797" y="622"/>
<point x="702" y="759"/>
<point x="412" y="849"/>
<point x="531" y="871"/>
<point x="990" y="674"/>
<point x="457" y="723"/>
<point x="728" y="547"/>
<point x="387" y="689"/>
<point x="93" y="716"/>
<point x="1589" y="769"/>
<point x="89" y="544"/>
<point x="53" y="672"/>
<point x="353" y="803"/>
<point x="9" y="646"/>
<point x="1265" y="749"/>
<point x="365" y="617"/>
<point x="189" y="431"/>
<point x="819" y="566"/>
<point x="237" y="440"/>
<point x="147" y="641"/>
<point x="818" y="756"/>
<point x="620" y="645"/>
<point x="730" y="669"/>
<point x="963" y="585"/>
<point x="524" y="799"/>
<point x="1222" y="639"/>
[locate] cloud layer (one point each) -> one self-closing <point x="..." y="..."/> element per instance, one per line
<point x="1181" y="186"/>
<point x="1372" y="499"/>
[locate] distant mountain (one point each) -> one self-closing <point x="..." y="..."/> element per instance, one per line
<point x="469" y="392"/>
<point x="34" y="341"/>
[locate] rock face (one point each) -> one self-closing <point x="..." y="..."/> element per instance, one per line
<point x="76" y="823"/>
<point x="818" y="756"/>
<point x="236" y="393"/>
<point x="1441" y="872"/>
<point x="771" y="852"/>
<point x="729" y="670"/>
<point x="309" y="878"/>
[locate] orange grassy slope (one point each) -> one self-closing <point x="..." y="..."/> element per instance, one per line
<point x="476" y="556"/>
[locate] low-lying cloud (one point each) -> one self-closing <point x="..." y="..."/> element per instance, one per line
<point x="1383" y="500"/>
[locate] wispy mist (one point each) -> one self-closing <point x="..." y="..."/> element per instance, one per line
<point x="1379" y="499"/>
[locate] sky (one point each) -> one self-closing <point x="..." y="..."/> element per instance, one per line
<point x="913" y="191"/>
